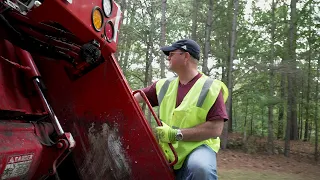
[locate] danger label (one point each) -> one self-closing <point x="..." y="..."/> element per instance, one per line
<point x="17" y="166"/>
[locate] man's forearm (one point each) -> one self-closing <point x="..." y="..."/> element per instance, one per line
<point x="203" y="131"/>
<point x="138" y="97"/>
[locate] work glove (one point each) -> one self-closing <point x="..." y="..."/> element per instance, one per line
<point x="166" y="134"/>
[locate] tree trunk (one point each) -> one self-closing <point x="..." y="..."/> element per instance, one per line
<point x="128" y="43"/>
<point x="195" y="9"/>
<point x="251" y="121"/>
<point x="230" y="84"/>
<point x="306" y="126"/>
<point x="123" y="5"/>
<point x="271" y="91"/>
<point x="163" y="37"/>
<point x="300" y="109"/>
<point x="230" y="121"/>
<point x="150" y="61"/>
<point x="316" y="150"/>
<point x="234" y="109"/>
<point x="227" y="41"/>
<point x="147" y="66"/>
<point x="223" y="71"/>
<point x="300" y="124"/>
<point x="245" y="123"/>
<point x="288" y="128"/>
<point x="291" y="132"/>
<point x="281" y="108"/>
<point x="309" y="131"/>
<point x="205" y="69"/>
<point x="262" y="121"/>
<point x="292" y="90"/>
<point x="284" y="59"/>
<point x="149" y="57"/>
<point x="305" y="138"/>
<point x="316" y="120"/>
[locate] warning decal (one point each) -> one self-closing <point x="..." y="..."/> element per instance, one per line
<point x="17" y="166"/>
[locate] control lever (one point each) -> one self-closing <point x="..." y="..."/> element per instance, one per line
<point x="52" y="115"/>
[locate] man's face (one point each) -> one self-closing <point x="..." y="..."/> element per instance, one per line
<point x="176" y="60"/>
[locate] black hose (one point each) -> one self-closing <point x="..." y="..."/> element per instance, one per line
<point x="11" y="28"/>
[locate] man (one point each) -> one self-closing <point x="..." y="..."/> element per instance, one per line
<point x="192" y="110"/>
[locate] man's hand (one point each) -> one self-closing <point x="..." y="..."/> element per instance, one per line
<point x="166" y="134"/>
<point x="138" y="97"/>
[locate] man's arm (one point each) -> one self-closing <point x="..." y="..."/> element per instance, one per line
<point x="204" y="131"/>
<point x="150" y="93"/>
<point x="213" y="127"/>
<point x="138" y="97"/>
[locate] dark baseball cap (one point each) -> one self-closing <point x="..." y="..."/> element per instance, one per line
<point x="187" y="45"/>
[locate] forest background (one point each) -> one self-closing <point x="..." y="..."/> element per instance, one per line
<point x="265" y="51"/>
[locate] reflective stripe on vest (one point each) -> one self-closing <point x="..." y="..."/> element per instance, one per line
<point x="204" y="92"/>
<point x="164" y="89"/>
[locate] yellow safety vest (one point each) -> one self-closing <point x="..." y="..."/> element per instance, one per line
<point x="192" y="111"/>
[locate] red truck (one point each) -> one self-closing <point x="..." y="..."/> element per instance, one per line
<point x="66" y="110"/>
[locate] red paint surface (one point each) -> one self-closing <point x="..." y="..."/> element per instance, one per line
<point x="16" y="97"/>
<point x="18" y="139"/>
<point x="19" y="143"/>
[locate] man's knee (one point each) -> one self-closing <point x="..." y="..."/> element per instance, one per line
<point x="202" y="164"/>
<point x="203" y="171"/>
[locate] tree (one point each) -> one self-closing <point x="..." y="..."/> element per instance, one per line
<point x="207" y="48"/>
<point x="316" y="150"/>
<point x="163" y="36"/>
<point x="127" y="39"/>
<point x="271" y="87"/>
<point x="281" y="106"/>
<point x="123" y="5"/>
<point x="305" y="138"/>
<point x="291" y="132"/>
<point x="230" y="68"/>
<point x="195" y="6"/>
<point x="283" y="54"/>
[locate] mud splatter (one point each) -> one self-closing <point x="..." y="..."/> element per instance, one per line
<point x="106" y="158"/>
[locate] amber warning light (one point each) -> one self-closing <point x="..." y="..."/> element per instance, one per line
<point x="97" y="18"/>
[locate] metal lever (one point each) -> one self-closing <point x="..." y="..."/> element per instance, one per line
<point x="159" y="124"/>
<point x="52" y="115"/>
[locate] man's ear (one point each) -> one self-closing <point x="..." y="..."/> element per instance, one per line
<point x="187" y="56"/>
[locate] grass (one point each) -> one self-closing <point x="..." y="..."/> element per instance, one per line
<point x="256" y="175"/>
